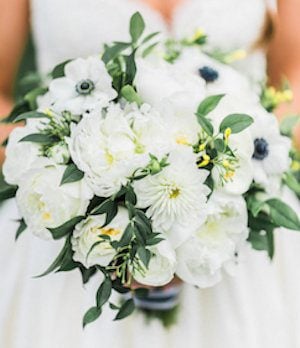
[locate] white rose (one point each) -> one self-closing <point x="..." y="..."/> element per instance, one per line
<point x="89" y="231"/>
<point x="86" y="84"/>
<point x="44" y="203"/>
<point x="161" y="268"/>
<point x="21" y="156"/>
<point x="213" y="247"/>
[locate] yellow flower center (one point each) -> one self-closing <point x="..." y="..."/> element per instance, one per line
<point x="182" y="140"/>
<point x="174" y="193"/>
<point x="109" y="158"/>
<point x="46" y="216"/>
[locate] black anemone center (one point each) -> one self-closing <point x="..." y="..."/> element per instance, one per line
<point x="208" y="74"/>
<point x="85" y="87"/>
<point x="261" y="149"/>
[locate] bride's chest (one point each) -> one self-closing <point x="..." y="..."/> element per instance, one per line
<point x="65" y="28"/>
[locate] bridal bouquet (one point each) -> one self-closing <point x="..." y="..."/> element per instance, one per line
<point x="147" y="169"/>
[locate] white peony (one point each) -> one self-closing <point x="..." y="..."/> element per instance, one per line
<point x="175" y="198"/>
<point x="271" y="149"/>
<point x="213" y="247"/>
<point x="103" y="148"/>
<point x="86" y="84"/>
<point x="21" y="156"/>
<point x="161" y="267"/>
<point x="44" y="203"/>
<point x="89" y="231"/>
<point x="157" y="80"/>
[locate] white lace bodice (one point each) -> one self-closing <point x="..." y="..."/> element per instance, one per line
<point x="65" y="29"/>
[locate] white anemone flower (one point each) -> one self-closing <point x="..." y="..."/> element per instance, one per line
<point x="86" y="84"/>
<point x="271" y="149"/>
<point x="219" y="78"/>
<point x="175" y="198"/>
<point x="214" y="246"/>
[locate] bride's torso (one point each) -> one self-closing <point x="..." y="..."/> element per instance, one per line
<point x="65" y="29"/>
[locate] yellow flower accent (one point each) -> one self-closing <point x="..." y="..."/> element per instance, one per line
<point x="229" y="175"/>
<point x="182" y="140"/>
<point x="227" y="134"/>
<point x="48" y="112"/>
<point x="202" y="147"/>
<point x="295" y="166"/>
<point x="175" y="192"/>
<point x="109" y="158"/>
<point x="46" y="216"/>
<point x="235" y="55"/>
<point x="108" y="231"/>
<point x="199" y="33"/>
<point x="205" y="161"/>
<point x="226" y="164"/>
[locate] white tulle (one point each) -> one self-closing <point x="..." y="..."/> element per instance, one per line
<point x="259" y="308"/>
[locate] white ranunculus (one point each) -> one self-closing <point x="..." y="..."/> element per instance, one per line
<point x="220" y="78"/>
<point x="21" y="156"/>
<point x="161" y="268"/>
<point x="86" y="84"/>
<point x="89" y="231"/>
<point x="175" y="198"/>
<point x="157" y="80"/>
<point x="241" y="143"/>
<point x="271" y="149"/>
<point x="213" y="247"/>
<point x="44" y="203"/>
<point x="102" y="148"/>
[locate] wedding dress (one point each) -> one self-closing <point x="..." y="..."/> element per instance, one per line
<point x="259" y="308"/>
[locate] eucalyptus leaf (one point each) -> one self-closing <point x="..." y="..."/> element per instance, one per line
<point x="71" y="174"/>
<point x="206" y="125"/>
<point x="144" y="255"/>
<point x="236" y="122"/>
<point x="126" y="237"/>
<point x="22" y="228"/>
<point x="59" y="70"/>
<point x="150" y="36"/>
<point x="6" y="191"/>
<point x="112" y="52"/>
<point x="292" y="182"/>
<point x="209" y="104"/>
<point x="288" y="124"/>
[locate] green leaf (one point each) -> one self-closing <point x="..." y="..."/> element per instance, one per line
<point x="31" y="96"/>
<point x="59" y="70"/>
<point x="258" y="240"/>
<point x="209" y="104"/>
<point x="104" y="292"/>
<point x="91" y="315"/>
<point x="150" y="36"/>
<point x="30" y="114"/>
<point x="71" y="174"/>
<point x="6" y="191"/>
<point x="22" y="227"/>
<point x="129" y="93"/>
<point x="38" y="138"/>
<point x="112" y="52"/>
<point x="220" y="145"/>
<point x="130" y="196"/>
<point x="292" y="182"/>
<point x="113" y="306"/>
<point x="236" y="122"/>
<point x="57" y="262"/>
<point x="206" y="125"/>
<point x="283" y="215"/>
<point x="154" y="241"/>
<point x="87" y="273"/>
<point x="288" y="124"/>
<point x="126" y="309"/>
<point x="137" y="27"/>
<point x="103" y="208"/>
<point x="130" y="68"/>
<point x="255" y="205"/>
<point x="144" y="255"/>
<point x="149" y="49"/>
<point x="66" y="228"/>
<point x="126" y="237"/>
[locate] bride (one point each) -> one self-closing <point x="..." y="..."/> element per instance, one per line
<point x="259" y="308"/>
